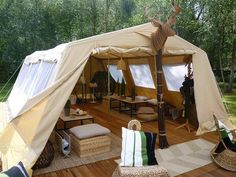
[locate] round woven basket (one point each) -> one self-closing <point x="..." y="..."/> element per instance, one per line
<point x="147" y="117"/>
<point x="46" y="157"/>
<point x="226" y="159"/>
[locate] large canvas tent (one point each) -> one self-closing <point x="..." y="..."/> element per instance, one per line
<point x="47" y="79"/>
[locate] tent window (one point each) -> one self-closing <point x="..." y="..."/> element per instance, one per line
<point x="115" y="73"/>
<point x="142" y="75"/>
<point x="32" y="79"/>
<point x="174" y="76"/>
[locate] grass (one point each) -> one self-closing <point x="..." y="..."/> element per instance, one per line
<point x="4" y="93"/>
<point x="230" y="100"/>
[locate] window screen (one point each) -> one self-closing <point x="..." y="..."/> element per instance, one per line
<point x="32" y="79"/>
<point x="115" y="73"/>
<point x="142" y="75"/>
<point x="174" y="76"/>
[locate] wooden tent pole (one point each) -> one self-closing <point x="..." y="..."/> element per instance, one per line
<point x="159" y="38"/>
<point x="163" y="143"/>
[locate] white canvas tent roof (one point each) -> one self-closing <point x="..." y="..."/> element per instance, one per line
<point x="26" y="122"/>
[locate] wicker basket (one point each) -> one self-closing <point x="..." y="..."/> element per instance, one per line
<point x="46" y="157"/>
<point x="147" y="171"/>
<point x="90" y="146"/>
<point x="226" y="159"/>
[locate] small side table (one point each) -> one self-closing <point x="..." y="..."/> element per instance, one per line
<point x="74" y="118"/>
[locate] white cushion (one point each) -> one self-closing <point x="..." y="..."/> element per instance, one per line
<point x="141" y="97"/>
<point x="137" y="148"/>
<point x="152" y="101"/>
<point x="89" y="131"/>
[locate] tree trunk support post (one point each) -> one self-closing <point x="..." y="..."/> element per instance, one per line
<point x="163" y="143"/>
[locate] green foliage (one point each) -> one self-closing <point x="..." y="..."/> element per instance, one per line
<point x="30" y="25"/>
<point x="230" y="101"/>
<point x="4" y="91"/>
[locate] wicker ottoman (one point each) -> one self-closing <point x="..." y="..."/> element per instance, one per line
<point x="147" y="171"/>
<point x="146" y="114"/>
<point x="90" y="139"/>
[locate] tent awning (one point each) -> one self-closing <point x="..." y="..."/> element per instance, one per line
<point x="118" y="52"/>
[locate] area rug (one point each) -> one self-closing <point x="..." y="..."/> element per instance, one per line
<point x="59" y="162"/>
<point x="184" y="157"/>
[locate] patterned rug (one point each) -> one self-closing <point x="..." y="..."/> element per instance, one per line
<point x="59" y="162"/>
<point x="184" y="157"/>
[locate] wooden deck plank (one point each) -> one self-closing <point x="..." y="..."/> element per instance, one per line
<point x="114" y="121"/>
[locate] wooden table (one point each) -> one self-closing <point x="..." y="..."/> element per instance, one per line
<point x="132" y="104"/>
<point x="74" y="118"/>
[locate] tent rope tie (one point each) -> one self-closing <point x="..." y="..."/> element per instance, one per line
<point x="9" y="81"/>
<point x="162" y="133"/>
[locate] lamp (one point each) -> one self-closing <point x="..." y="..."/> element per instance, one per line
<point x="82" y="80"/>
<point x="121" y="64"/>
<point x="93" y="86"/>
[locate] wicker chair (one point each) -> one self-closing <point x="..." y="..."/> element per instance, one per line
<point x="147" y="171"/>
<point x="224" y="153"/>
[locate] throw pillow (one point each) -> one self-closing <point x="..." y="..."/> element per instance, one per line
<point x="138" y="148"/>
<point x="15" y="171"/>
<point x="226" y="139"/>
<point x="222" y="125"/>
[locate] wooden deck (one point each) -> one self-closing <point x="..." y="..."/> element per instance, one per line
<point x="114" y="121"/>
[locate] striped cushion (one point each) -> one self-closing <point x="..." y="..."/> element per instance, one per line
<point x="15" y="171"/>
<point x="137" y="148"/>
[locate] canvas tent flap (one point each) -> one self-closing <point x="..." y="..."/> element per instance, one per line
<point x="3" y="116"/>
<point x="51" y="55"/>
<point x="207" y="95"/>
<point x="117" y="52"/>
<point x="25" y="137"/>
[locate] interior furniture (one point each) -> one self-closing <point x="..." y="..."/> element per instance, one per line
<point x="126" y="104"/>
<point x="141" y="171"/>
<point x="64" y="142"/>
<point x="146" y="113"/>
<point x="46" y="157"/>
<point x="90" y="139"/>
<point x="74" y="118"/>
<point x="224" y="153"/>
<point x="93" y="86"/>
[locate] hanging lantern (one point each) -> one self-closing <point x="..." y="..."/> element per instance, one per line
<point x="121" y="65"/>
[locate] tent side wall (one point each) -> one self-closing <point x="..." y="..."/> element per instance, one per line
<point x="207" y="95"/>
<point x="24" y="138"/>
